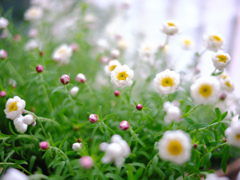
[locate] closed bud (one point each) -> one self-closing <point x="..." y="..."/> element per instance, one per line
<point x="116" y="93"/>
<point x="44" y="145"/>
<point x="65" y="79"/>
<point x="74" y="46"/>
<point x="79" y="140"/>
<point x="76" y="146"/>
<point x="223" y="96"/>
<point x="115" y="53"/>
<point x="139" y="107"/>
<point x="93" y="118"/>
<point x="124" y="125"/>
<point x="41" y="53"/>
<point x="39" y="68"/>
<point x="2" y="94"/>
<point x="3" y="54"/>
<point x="80" y="78"/>
<point x="74" y="91"/>
<point x="195" y="145"/>
<point x="17" y="38"/>
<point x="28" y="119"/>
<point x="104" y="59"/>
<point x="86" y="162"/>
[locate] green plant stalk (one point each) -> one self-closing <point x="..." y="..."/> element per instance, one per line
<point x="45" y="92"/>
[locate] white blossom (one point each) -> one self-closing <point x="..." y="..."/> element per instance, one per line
<point x="170" y="28"/>
<point x="122" y="76"/>
<point x="173" y="112"/>
<point x="76" y="146"/>
<point x="20" y="125"/>
<point x="111" y="66"/>
<point x="33" y="13"/>
<point x="62" y="54"/>
<point x="213" y="41"/>
<point x="3" y="23"/>
<point x="220" y="60"/>
<point x="14" y="174"/>
<point x="14" y="107"/>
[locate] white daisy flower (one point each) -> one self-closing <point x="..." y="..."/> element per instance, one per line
<point x="173" y="112"/>
<point x="213" y="42"/>
<point x="122" y="76"/>
<point x="223" y="76"/>
<point x="111" y="66"/>
<point x="205" y="90"/>
<point x="170" y="28"/>
<point x="3" y="23"/>
<point x="33" y="13"/>
<point x="31" y="45"/>
<point x="233" y="134"/>
<point x="14" y="107"/>
<point x="215" y="177"/>
<point x="167" y="82"/>
<point x="102" y="44"/>
<point x="227" y="85"/>
<point x="117" y="151"/>
<point x="62" y="54"/>
<point x="146" y="50"/>
<point x="13" y="174"/>
<point x="175" y="146"/>
<point x="187" y="43"/>
<point x="220" y="60"/>
<point x="20" y="125"/>
<point x="76" y="146"/>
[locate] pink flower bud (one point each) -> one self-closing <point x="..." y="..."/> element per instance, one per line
<point x="93" y="118"/>
<point x="39" y="68"/>
<point x="74" y="46"/>
<point x="116" y="93"/>
<point x="65" y="79"/>
<point x="139" y="107"/>
<point x="80" y="78"/>
<point x="17" y="38"/>
<point x="2" y="94"/>
<point x="223" y="96"/>
<point x="33" y="33"/>
<point x="79" y="140"/>
<point x="3" y="54"/>
<point x="86" y="162"/>
<point x="124" y="125"/>
<point x="115" y="53"/>
<point x="44" y="145"/>
<point x="41" y="53"/>
<point x="195" y="145"/>
<point x="104" y="59"/>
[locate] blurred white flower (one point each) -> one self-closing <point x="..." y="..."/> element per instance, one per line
<point x="111" y="66"/>
<point x="147" y="49"/>
<point x="227" y="84"/>
<point x="33" y="33"/>
<point x="215" y="177"/>
<point x="29" y="119"/>
<point x="62" y="54"/>
<point x="173" y="112"/>
<point x="3" y="23"/>
<point x="89" y="19"/>
<point x="3" y="54"/>
<point x="14" y="174"/>
<point x="80" y="78"/>
<point x="31" y="45"/>
<point x="233" y="134"/>
<point x="175" y="146"/>
<point x="20" y="125"/>
<point x="122" y="76"/>
<point x="76" y="146"/>
<point x="167" y="82"/>
<point x="115" y="53"/>
<point x="238" y="107"/>
<point x="14" y="107"/>
<point x="12" y="82"/>
<point x="33" y="13"/>
<point x="213" y="42"/>
<point x="187" y="43"/>
<point x="45" y="4"/>
<point x="170" y="28"/>
<point x="117" y="151"/>
<point x="102" y="44"/>
<point x="220" y="60"/>
<point x="205" y="90"/>
<point x="74" y="91"/>
<point x="123" y="44"/>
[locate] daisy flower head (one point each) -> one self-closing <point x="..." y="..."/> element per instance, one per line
<point x="20" y="125"/>
<point x="147" y="49"/>
<point x="173" y="112"/>
<point x="14" y="107"/>
<point x="227" y="84"/>
<point x="221" y="60"/>
<point x="166" y="82"/>
<point x="31" y="45"/>
<point x="3" y="23"/>
<point x="33" y="13"/>
<point x="175" y="146"/>
<point x="233" y="134"/>
<point x="62" y="54"/>
<point x="170" y="28"/>
<point x="117" y="151"/>
<point x="122" y="76"/>
<point x="213" y="41"/>
<point x="111" y="66"/>
<point x="205" y="90"/>
<point x="187" y="43"/>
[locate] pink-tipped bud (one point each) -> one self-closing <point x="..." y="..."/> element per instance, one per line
<point x="93" y="118"/>
<point x="124" y="125"/>
<point x="39" y="68"/>
<point x="104" y="59"/>
<point x="86" y="162"/>
<point x="80" y="78"/>
<point x="44" y="145"/>
<point x="195" y="145"/>
<point x="224" y="139"/>
<point x="3" y="54"/>
<point x="17" y="38"/>
<point x="115" y="53"/>
<point x="116" y="93"/>
<point x="41" y="53"/>
<point x="74" y="46"/>
<point x="139" y="107"/>
<point x="79" y="140"/>
<point x="2" y="94"/>
<point x="223" y="96"/>
<point x="76" y="128"/>
<point x="76" y="146"/>
<point x="65" y="79"/>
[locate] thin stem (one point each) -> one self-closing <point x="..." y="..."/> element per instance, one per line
<point x="43" y="130"/>
<point x="223" y="144"/>
<point x="214" y="71"/>
<point x="16" y="72"/>
<point x="70" y="97"/>
<point x="45" y="92"/>
<point x="145" y="172"/>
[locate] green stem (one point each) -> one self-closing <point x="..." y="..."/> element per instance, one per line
<point x="45" y="92"/>
<point x="223" y="144"/>
<point x="16" y="72"/>
<point x="43" y="130"/>
<point x="204" y="127"/>
<point x="145" y="172"/>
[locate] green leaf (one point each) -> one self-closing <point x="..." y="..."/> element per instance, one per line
<point x="155" y="161"/>
<point x="57" y="89"/>
<point x="63" y="141"/>
<point x="59" y="168"/>
<point x="138" y="174"/>
<point x="224" y="115"/>
<point x="94" y="130"/>
<point x="31" y="162"/>
<point x="216" y="74"/>
<point x="130" y="175"/>
<point x="218" y="113"/>
<point x="159" y="171"/>
<point x="108" y="116"/>
<point x="190" y="121"/>
<point x="141" y="142"/>
<point x="113" y="176"/>
<point x="138" y="164"/>
<point x="99" y="112"/>
<point x="204" y="137"/>
<point x="205" y="159"/>
<point x="138" y="129"/>
<point x="225" y="152"/>
<point x="158" y="134"/>
<point x="197" y="126"/>
<point x="178" y="169"/>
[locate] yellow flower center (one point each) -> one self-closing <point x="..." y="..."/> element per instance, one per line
<point x="216" y="38"/>
<point x="112" y="67"/>
<point x="187" y="42"/>
<point x="122" y="75"/>
<point x="147" y="48"/>
<point x="13" y="107"/>
<point x="62" y="51"/>
<point x="167" y="81"/>
<point x="175" y="147"/>
<point x="238" y="136"/>
<point x="205" y="90"/>
<point x="222" y="58"/>
<point x="170" y="24"/>
<point x="223" y="76"/>
<point x="228" y="84"/>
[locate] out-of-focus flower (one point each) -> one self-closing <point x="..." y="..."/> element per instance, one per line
<point x="62" y="54"/>
<point x="117" y="151"/>
<point x="13" y="174"/>
<point x="33" y="13"/>
<point x="187" y="43"/>
<point x="93" y="118"/>
<point x="31" y="45"/>
<point x="111" y="66"/>
<point x="116" y="93"/>
<point x="12" y="82"/>
<point x="173" y="112"/>
<point x="102" y="44"/>
<point x="139" y="107"/>
<point x="233" y="134"/>
<point x="14" y="107"/>
<point x="215" y="177"/>
<point x="3" y="23"/>
<point x="65" y="79"/>
<point x="17" y="38"/>
<point x="74" y="46"/>
<point x="2" y="94"/>
<point x="104" y="59"/>
<point x="39" y="68"/>
<point x="213" y="42"/>
<point x="238" y="107"/>
<point x="175" y="146"/>
<point x="224" y="75"/>
<point x="29" y="119"/>
<point x="167" y="82"/>
<point x="20" y="125"/>
<point x="122" y="76"/>
<point x="205" y="90"/>
<point x="227" y="84"/>
<point x="74" y="91"/>
<point x="115" y="53"/>
<point x="86" y="162"/>
<point x="45" y="4"/>
<point x="3" y="54"/>
<point x="90" y="19"/>
<point x="123" y="44"/>
<point x="33" y="33"/>
<point x="44" y="145"/>
<point x="80" y="78"/>
<point x="170" y="28"/>
<point x="220" y="60"/>
<point x="124" y="125"/>
<point x="147" y="49"/>
<point x="223" y="96"/>
<point x="76" y="146"/>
